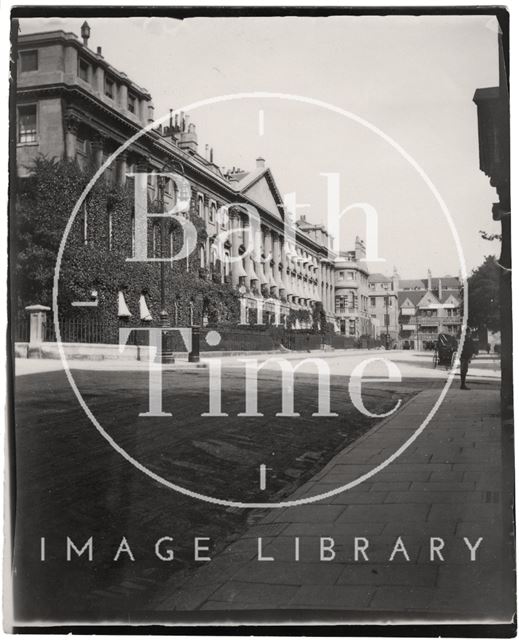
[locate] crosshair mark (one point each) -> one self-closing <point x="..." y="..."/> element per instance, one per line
<point x="263" y="476"/>
<point x="261" y="122"/>
<point x="213" y="338"/>
<point x="81" y="303"/>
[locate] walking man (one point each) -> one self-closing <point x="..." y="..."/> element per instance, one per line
<point x="466" y="356"/>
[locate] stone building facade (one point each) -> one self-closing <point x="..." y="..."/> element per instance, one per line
<point x="73" y="104"/>
<point x="352" y="293"/>
<point x="383" y="306"/>
<point x="429" y="306"/>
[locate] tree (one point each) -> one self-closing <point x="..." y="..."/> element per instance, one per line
<point x="484" y="305"/>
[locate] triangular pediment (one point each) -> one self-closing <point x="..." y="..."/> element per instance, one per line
<point x="407" y="303"/>
<point x="264" y="192"/>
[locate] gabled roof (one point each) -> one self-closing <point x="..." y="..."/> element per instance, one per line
<point x="428" y="298"/>
<point x="450" y="298"/>
<point x="448" y="282"/>
<point x="414" y="297"/>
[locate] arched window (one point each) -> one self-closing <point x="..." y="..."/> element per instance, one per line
<point x="202" y="257"/>
<point x="214" y="255"/>
<point x="212" y="212"/>
<point x="171" y="247"/>
<point x="201" y="206"/>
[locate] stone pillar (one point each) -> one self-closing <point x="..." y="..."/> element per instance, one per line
<point x="72" y="124"/>
<point x="238" y="273"/>
<point x="279" y="275"/>
<point x="98" y="147"/>
<point x="272" y="284"/>
<point x="194" y="354"/>
<point x="260" y="266"/>
<point x="71" y="61"/>
<point x="248" y="241"/>
<point x="122" y="166"/>
<point x="37" y="329"/>
<point x="329" y="281"/>
<point x="123" y="96"/>
<point x="100" y="80"/>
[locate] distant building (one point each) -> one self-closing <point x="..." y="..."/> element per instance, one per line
<point x="428" y="307"/>
<point x="351" y="292"/>
<point x="383" y="306"/>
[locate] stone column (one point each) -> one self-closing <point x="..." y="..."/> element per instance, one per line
<point x="98" y="147"/>
<point x="238" y="273"/>
<point x="72" y="124"/>
<point x="261" y="266"/>
<point x="37" y="329"/>
<point x="123" y="96"/>
<point x="121" y="168"/>
<point x="248" y="241"/>
<point x="269" y="248"/>
<point x="71" y="61"/>
<point x="100" y="80"/>
<point x="278" y="263"/>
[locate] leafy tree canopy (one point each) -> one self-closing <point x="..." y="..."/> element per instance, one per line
<point x="484" y="306"/>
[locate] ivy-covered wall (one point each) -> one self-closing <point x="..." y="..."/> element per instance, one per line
<point x="43" y="208"/>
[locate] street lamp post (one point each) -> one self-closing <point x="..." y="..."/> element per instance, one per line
<point x="386" y="321"/>
<point x="166" y="351"/>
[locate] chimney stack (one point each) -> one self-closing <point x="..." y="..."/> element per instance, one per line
<point x="395" y="279"/>
<point x="360" y="249"/>
<point x="429" y="280"/>
<point x="440" y="289"/>
<point x="211" y="155"/>
<point x="260" y="163"/>
<point x="85" y="32"/>
<point x="151" y="112"/>
<point x="99" y="51"/>
<point x="189" y="140"/>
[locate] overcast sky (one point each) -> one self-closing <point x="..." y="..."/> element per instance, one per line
<point x="413" y="78"/>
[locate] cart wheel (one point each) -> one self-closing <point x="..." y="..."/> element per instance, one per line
<point x="435" y="360"/>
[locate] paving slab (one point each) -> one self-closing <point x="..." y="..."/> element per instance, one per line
<point x="445" y="487"/>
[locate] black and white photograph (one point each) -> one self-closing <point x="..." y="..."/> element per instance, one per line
<point x="259" y="351"/>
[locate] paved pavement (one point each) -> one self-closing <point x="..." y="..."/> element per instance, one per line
<point x="447" y="484"/>
<point x="340" y="362"/>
